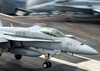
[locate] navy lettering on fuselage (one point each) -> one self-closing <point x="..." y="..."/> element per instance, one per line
<point x="70" y="44"/>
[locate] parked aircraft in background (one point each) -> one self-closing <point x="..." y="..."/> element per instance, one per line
<point x="30" y="3"/>
<point x="81" y="8"/>
<point x="47" y="41"/>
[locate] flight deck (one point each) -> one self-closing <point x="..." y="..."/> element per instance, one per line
<point x="85" y="31"/>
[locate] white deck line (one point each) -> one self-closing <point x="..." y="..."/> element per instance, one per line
<point x="90" y="65"/>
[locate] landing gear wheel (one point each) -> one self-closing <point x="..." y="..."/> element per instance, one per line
<point x="68" y="19"/>
<point x="47" y="65"/>
<point x="0" y="54"/>
<point x="18" y="57"/>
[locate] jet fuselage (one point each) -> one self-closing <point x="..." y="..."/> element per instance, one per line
<point x="50" y="41"/>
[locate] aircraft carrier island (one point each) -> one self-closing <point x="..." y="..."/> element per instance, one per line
<point x="83" y="31"/>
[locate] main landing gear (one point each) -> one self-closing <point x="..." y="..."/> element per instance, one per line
<point x="68" y="19"/>
<point x="18" y="57"/>
<point x="47" y="63"/>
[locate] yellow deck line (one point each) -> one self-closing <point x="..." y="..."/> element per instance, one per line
<point x="7" y="15"/>
<point x="40" y="24"/>
<point x="86" y="33"/>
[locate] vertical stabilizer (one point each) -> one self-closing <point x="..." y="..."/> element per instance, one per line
<point x="1" y="25"/>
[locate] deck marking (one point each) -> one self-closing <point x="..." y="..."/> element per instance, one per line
<point x="40" y="23"/>
<point x="82" y="32"/>
<point x="90" y="65"/>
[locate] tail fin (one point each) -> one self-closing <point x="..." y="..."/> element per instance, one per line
<point x="1" y="25"/>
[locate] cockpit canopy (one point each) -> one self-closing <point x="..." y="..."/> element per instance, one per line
<point x="52" y="32"/>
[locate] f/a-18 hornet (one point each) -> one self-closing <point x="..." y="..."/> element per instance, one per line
<point x="42" y="40"/>
<point x="79" y="8"/>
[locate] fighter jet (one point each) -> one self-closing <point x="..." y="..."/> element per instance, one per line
<point x="88" y="8"/>
<point x="30" y="3"/>
<point x="42" y="40"/>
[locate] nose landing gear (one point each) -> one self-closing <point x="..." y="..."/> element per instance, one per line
<point x="18" y="57"/>
<point x="47" y="63"/>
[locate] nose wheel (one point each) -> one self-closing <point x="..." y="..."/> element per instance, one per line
<point x="18" y="57"/>
<point x="47" y="63"/>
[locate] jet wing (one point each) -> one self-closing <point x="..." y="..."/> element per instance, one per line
<point x="97" y="10"/>
<point x="2" y="40"/>
<point x="71" y="6"/>
<point x="15" y="38"/>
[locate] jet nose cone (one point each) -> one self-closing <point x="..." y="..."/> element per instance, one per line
<point x="88" y="50"/>
<point x="96" y="53"/>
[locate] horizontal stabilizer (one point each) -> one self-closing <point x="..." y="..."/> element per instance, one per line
<point x="81" y="7"/>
